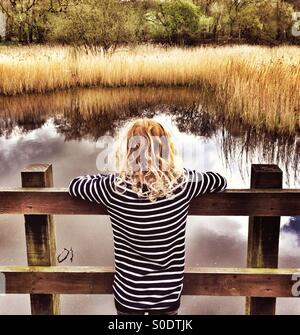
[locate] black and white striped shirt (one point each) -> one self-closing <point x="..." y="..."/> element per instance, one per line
<point x="149" y="237"/>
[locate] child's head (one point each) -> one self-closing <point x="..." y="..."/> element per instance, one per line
<point x="146" y="158"/>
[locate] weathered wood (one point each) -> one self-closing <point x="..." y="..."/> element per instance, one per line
<point x="258" y="202"/>
<point x="40" y="237"/>
<point x="198" y="281"/>
<point x="264" y="202"/>
<point x="263" y="237"/>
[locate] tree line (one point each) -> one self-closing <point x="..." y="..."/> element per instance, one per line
<point x="109" y="23"/>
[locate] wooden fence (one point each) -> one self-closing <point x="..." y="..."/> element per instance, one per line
<point x="261" y="282"/>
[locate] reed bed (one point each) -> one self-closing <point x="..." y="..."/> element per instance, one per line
<point x="258" y="84"/>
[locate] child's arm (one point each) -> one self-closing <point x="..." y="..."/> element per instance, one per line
<point x="89" y="187"/>
<point x="207" y="182"/>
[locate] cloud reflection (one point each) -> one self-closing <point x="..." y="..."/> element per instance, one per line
<point x="68" y="142"/>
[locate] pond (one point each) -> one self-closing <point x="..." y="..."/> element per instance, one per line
<point x="63" y="128"/>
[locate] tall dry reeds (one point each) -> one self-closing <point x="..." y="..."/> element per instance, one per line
<point x="259" y="84"/>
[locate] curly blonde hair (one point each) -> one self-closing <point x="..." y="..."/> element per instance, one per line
<point x="146" y="159"/>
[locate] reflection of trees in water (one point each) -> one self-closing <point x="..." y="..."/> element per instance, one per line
<point x="24" y="125"/>
<point x="240" y="142"/>
<point x="75" y="126"/>
<point x="254" y="146"/>
<point x="197" y="120"/>
<point x="93" y="113"/>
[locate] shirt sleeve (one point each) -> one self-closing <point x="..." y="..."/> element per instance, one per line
<point x="89" y="187"/>
<point x="206" y="182"/>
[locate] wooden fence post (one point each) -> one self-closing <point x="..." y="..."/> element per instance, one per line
<point x="263" y="237"/>
<point x="40" y="238"/>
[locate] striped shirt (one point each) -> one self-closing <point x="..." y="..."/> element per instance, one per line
<point x="149" y="237"/>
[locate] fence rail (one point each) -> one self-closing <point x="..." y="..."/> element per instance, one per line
<point x="242" y="202"/>
<point x="261" y="282"/>
<point x="198" y="281"/>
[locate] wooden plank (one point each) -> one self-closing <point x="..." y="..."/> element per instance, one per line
<point x="260" y="202"/>
<point x="198" y="281"/>
<point x="263" y="237"/>
<point x="40" y="238"/>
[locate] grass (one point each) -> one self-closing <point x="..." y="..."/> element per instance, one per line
<point x="258" y="84"/>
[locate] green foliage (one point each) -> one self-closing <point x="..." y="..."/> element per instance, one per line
<point x="109" y="23"/>
<point x="26" y="19"/>
<point x="173" y="21"/>
<point x="260" y="21"/>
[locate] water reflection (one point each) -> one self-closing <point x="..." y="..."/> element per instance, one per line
<point x="91" y="113"/>
<point x="62" y="128"/>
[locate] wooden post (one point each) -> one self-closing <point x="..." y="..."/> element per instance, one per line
<point x="263" y="237"/>
<point x="40" y="238"/>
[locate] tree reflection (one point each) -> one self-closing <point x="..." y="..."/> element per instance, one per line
<point x="92" y="113"/>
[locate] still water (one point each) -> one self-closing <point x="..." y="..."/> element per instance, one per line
<point x="63" y="128"/>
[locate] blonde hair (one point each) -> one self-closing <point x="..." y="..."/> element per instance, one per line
<point x="146" y="158"/>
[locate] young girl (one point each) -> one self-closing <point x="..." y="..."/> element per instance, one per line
<point x="147" y="201"/>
